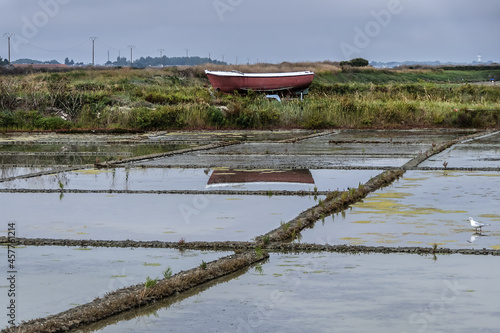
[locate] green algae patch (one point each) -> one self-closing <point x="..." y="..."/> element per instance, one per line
<point x="416" y="179"/>
<point x="92" y="171"/>
<point x="388" y="241"/>
<point x="484" y="175"/>
<point x="354" y="240"/>
<point x="383" y="203"/>
<point x="418" y="234"/>
<point x="391" y="195"/>
<point x="151" y="264"/>
<point x="494" y="217"/>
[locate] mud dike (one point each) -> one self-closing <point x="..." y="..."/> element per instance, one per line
<point x="284" y="239"/>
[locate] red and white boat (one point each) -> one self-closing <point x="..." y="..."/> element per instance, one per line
<point x="229" y="82"/>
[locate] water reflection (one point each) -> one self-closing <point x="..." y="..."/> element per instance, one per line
<point x="221" y="177"/>
<point x="475" y="236"/>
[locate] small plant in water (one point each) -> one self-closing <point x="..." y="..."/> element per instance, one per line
<point x="181" y="241"/>
<point x="258" y="252"/>
<point x="259" y="269"/>
<point x="203" y="265"/>
<point x="150" y="282"/>
<point x="167" y="273"/>
<point x="321" y="203"/>
<point x="286" y="226"/>
<point x="266" y="239"/>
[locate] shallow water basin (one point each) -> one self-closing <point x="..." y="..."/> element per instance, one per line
<point x="330" y="292"/>
<point x="217" y="179"/>
<point x="164" y="217"/>
<point x="421" y="209"/>
<point x="53" y="279"/>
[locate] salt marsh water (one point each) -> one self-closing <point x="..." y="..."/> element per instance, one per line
<point x="483" y="152"/>
<point x="331" y="292"/>
<point x="55" y="278"/>
<point x="422" y="208"/>
<point x="165" y="179"/>
<point x="319" y="292"/>
<point x="149" y="217"/>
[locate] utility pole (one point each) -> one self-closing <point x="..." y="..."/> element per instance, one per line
<point x="93" y="39"/>
<point x="161" y="56"/>
<point x="8" y="35"/>
<point x="187" y="57"/>
<point x="131" y="47"/>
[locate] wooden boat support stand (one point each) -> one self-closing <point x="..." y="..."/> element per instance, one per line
<point x="273" y="84"/>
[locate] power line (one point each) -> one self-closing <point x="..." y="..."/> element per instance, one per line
<point x="24" y="43"/>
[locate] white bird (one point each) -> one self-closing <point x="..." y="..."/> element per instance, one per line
<point x="476" y="224"/>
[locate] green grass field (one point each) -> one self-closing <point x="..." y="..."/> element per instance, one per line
<point x="179" y="98"/>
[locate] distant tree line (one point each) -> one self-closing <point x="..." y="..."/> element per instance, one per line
<point x="35" y="62"/>
<point x="163" y="61"/>
<point x="3" y="62"/>
<point x="123" y="62"/>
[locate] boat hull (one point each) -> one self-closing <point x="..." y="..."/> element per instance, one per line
<point x="229" y="82"/>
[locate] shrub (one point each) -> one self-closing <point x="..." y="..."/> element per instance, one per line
<point x="215" y="117"/>
<point x="357" y="62"/>
<point x="156" y="98"/>
<point x="54" y="123"/>
<point x="154" y="119"/>
<point x="6" y="119"/>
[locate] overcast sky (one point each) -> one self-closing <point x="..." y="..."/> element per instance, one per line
<point x="253" y="30"/>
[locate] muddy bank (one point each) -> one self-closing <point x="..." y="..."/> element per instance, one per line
<point x="248" y="247"/>
<point x="139" y="295"/>
<point x="311" y="136"/>
<point x="186" y="192"/>
<point x="219" y="246"/>
<point x="153" y="156"/>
